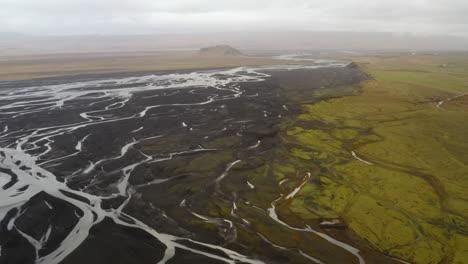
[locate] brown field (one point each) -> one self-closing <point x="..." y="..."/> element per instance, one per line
<point x="28" y="67"/>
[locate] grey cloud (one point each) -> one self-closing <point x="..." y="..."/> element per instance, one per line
<point x="181" y="16"/>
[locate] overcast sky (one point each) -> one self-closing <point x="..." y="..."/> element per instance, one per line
<point x="72" y="17"/>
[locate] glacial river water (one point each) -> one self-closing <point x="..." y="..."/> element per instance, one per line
<point x="59" y="139"/>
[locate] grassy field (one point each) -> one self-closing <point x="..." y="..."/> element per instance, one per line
<point x="406" y="191"/>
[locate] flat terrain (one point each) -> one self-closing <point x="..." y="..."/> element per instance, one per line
<point x="294" y="164"/>
<point x="40" y="66"/>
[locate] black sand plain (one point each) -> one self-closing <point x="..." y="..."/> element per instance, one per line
<point x="196" y="144"/>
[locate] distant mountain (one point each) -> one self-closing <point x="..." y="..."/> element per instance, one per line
<point x="251" y="42"/>
<point x="220" y="50"/>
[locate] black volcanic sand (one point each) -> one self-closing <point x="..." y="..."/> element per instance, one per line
<point x="227" y="130"/>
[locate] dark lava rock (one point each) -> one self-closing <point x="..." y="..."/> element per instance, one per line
<point x="352" y="65"/>
<point x="263" y="130"/>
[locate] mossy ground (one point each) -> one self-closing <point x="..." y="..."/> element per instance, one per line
<point x="412" y="201"/>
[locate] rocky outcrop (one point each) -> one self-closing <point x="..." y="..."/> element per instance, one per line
<point x="220" y="50"/>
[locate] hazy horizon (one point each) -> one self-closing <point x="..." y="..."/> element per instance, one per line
<point x="15" y="44"/>
<point x="52" y="26"/>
